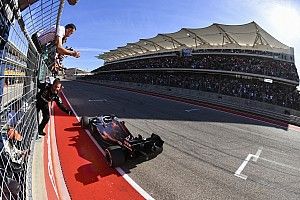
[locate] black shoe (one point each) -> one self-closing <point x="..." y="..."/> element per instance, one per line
<point x="42" y="133"/>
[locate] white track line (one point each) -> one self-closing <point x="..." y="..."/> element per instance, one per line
<point x="190" y="110"/>
<point x="243" y="165"/>
<point x="255" y="158"/>
<point x="101" y="100"/>
<point x="121" y="172"/>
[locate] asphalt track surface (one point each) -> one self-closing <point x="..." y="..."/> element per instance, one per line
<point x="203" y="149"/>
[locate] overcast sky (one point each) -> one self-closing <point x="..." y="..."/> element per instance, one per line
<point x="106" y="25"/>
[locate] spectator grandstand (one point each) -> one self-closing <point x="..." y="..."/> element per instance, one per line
<point x="236" y="60"/>
<point x="233" y="63"/>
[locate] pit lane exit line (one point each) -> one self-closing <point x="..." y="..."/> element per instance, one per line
<point x="243" y="165"/>
<point x="101" y="100"/>
<point x="190" y="110"/>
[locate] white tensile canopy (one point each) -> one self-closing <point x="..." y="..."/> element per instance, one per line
<point x="216" y="36"/>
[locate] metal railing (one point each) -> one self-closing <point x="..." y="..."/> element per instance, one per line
<point x="19" y="64"/>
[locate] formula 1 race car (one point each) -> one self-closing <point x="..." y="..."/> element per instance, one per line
<point x="121" y="144"/>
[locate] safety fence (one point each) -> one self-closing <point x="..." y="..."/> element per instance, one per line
<point x="21" y="65"/>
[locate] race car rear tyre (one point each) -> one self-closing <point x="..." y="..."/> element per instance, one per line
<point x="115" y="156"/>
<point x="85" y="122"/>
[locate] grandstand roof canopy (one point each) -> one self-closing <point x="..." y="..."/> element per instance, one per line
<point x="216" y="36"/>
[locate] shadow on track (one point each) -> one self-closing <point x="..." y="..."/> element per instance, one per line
<point x="127" y="104"/>
<point x="96" y="166"/>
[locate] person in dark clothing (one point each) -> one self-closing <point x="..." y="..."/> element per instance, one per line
<point x="49" y="93"/>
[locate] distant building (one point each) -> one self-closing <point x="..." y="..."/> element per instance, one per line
<point x="71" y="72"/>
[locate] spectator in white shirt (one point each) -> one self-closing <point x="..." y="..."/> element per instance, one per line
<point x="43" y="38"/>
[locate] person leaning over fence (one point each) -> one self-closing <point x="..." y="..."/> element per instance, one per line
<point x="49" y="93"/>
<point x="45" y="37"/>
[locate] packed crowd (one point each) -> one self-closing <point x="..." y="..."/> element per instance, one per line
<point x="233" y="63"/>
<point x="247" y="51"/>
<point x="269" y="54"/>
<point x="247" y="88"/>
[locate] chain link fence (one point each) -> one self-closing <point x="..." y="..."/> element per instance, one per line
<point x="20" y="65"/>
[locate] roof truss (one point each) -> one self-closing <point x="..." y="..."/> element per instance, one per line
<point x="154" y="44"/>
<point x="172" y="40"/>
<point x="259" y="39"/>
<point x="142" y="48"/>
<point x="196" y="37"/>
<point x="226" y="36"/>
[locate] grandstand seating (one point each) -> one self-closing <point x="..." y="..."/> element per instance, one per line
<point x="233" y="63"/>
<point x="234" y="75"/>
